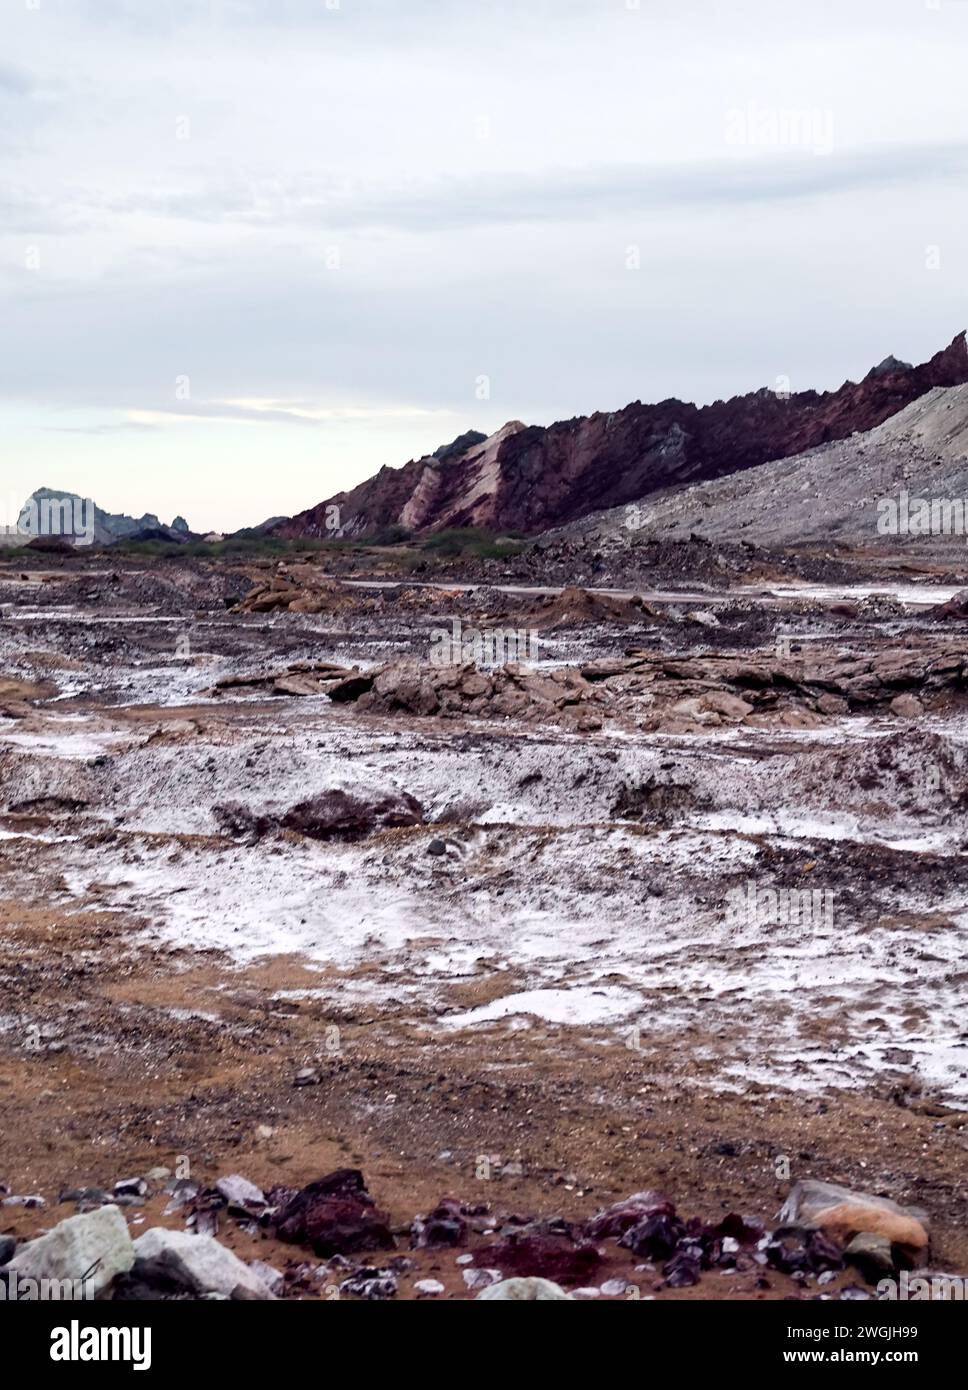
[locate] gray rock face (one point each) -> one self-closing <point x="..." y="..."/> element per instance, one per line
<point x="94" y="1248"/>
<point x="873" y="1255"/>
<point x="524" y="1290"/>
<point x="201" y="1262"/>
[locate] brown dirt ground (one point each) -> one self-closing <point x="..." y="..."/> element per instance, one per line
<point x="136" y="1086"/>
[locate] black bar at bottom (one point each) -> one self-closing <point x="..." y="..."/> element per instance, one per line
<point x="170" y="1338"/>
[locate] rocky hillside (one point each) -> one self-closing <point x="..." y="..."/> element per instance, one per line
<point x="874" y="487"/>
<point x="530" y="478"/>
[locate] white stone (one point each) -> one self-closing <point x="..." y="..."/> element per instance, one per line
<point x="94" y="1247"/>
<point x="520" y="1290"/>
<point x="212" y="1267"/>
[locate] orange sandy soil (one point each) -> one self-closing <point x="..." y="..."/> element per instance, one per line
<point x="589" y="1122"/>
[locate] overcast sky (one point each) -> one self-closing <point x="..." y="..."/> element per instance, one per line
<point x="252" y="250"/>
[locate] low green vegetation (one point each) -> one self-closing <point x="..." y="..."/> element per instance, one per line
<point x="395" y="546"/>
<point x="472" y="541"/>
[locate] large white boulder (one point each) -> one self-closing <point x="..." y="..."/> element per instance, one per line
<point x="91" y="1250"/>
<point x="201" y="1261"/>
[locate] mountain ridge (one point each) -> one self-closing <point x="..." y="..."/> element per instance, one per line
<point x="533" y="478"/>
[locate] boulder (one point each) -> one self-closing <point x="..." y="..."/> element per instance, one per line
<point x="241" y="1195"/>
<point x="335" y="1216"/>
<point x="873" y="1255"/>
<point x="371" y="1284"/>
<point x="843" y="1214"/>
<point x="907" y="706"/>
<point x="721" y="702"/>
<point x="93" y="1248"/>
<point x="615" y="1220"/>
<point x="445" y="1225"/>
<point x="200" y="1263"/>
<point x="803" y="1250"/>
<point x="655" y="1238"/>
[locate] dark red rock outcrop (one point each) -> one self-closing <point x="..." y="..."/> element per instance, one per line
<point x="335" y="1216"/>
<point x="531" y="478"/>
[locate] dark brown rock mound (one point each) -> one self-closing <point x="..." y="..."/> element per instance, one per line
<point x="512" y="691"/>
<point x="575" y="607"/>
<point x="332" y="815"/>
<point x="342" y="815"/>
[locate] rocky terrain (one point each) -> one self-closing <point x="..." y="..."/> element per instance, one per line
<point x="530" y="479"/>
<point x="344" y="956"/>
<point x="846" y="494"/>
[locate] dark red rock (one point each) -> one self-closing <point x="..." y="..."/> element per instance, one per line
<point x="956" y="607"/>
<point x="546" y="1257"/>
<point x="335" y="1216"/>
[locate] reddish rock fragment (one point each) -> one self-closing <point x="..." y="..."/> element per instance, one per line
<point x="335" y="1216"/>
<point x="546" y="1257"/>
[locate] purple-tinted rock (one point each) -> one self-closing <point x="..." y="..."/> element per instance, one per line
<point x="655" y="1238"/>
<point x="797" y="1250"/>
<point x="548" y="1257"/>
<point x="335" y="1216"/>
<point x="445" y="1225"/>
<point x="617" y="1219"/>
<point x="683" y="1270"/>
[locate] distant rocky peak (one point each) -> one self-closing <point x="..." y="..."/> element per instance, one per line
<point x="889" y="365"/>
<point x="458" y="446"/>
<point x="50" y="513"/>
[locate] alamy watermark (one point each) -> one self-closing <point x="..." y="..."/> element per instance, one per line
<point x="781" y="127"/>
<point x="905" y="515"/>
<point x="69" y="518"/>
<point x="751" y="906"/>
<point x="923" y="1288"/>
<point x="18" y="1288"/>
<point x="485" y="648"/>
